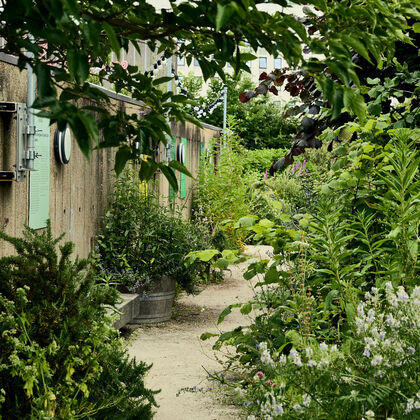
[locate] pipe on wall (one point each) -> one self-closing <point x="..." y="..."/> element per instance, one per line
<point x="30" y="98"/>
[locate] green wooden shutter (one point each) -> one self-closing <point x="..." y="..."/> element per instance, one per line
<point x="183" y="186"/>
<point x="173" y="156"/>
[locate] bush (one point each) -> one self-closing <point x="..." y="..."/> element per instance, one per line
<point x="261" y="160"/>
<point x="221" y="195"/>
<point x="141" y="240"/>
<point x="60" y="356"/>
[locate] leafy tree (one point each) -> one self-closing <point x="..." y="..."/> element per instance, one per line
<point x="389" y="91"/>
<point x="261" y="125"/>
<point x="66" y="38"/>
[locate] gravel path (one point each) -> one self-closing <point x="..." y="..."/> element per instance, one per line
<point x="180" y="359"/>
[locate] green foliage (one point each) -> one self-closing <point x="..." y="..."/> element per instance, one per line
<point x="332" y="327"/>
<point x="60" y="355"/>
<point x="215" y="259"/>
<point x="260" y="160"/>
<point x="261" y="124"/>
<point x="141" y="240"/>
<point x="67" y="39"/>
<point x="216" y="203"/>
<point x="192" y="84"/>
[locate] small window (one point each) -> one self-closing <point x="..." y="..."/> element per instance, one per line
<point x="181" y="61"/>
<point x="277" y="63"/>
<point x="263" y="62"/>
<point x="196" y="63"/>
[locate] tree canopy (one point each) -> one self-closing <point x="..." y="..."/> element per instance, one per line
<point x="67" y="38"/>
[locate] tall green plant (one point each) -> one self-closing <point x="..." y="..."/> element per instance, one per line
<point x="220" y="196"/>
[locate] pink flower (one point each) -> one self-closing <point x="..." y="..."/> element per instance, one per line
<point x="260" y="374"/>
<point x="269" y="383"/>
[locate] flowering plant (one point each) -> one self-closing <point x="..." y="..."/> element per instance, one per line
<point x="373" y="373"/>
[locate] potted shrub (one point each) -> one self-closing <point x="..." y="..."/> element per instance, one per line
<point x="143" y="246"/>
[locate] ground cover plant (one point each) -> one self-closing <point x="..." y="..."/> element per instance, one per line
<point x="60" y="356"/>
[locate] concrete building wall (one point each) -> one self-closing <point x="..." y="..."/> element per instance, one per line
<point x="79" y="190"/>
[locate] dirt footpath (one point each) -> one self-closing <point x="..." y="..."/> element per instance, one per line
<point x="180" y="359"/>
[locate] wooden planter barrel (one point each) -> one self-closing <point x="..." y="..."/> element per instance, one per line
<point x="156" y="304"/>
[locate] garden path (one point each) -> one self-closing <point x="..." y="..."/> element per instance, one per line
<point x="180" y="359"/>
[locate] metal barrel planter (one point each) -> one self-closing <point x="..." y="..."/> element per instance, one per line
<point x="156" y="304"/>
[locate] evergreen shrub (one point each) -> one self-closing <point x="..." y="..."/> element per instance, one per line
<point x="60" y="356"/>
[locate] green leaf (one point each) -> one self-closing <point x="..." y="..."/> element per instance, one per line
<point x="223" y="15"/>
<point x="227" y="311"/>
<point x="72" y="62"/>
<point x="416" y="27"/>
<point x="230" y="256"/>
<point x="357" y="46"/>
<point x="246" y="309"/>
<point x="337" y="102"/>
<point x="90" y="124"/>
<point x="161" y="80"/>
<point x="115" y="45"/>
<point x="207" y="335"/>
<point x="80" y="133"/>
<point x="170" y="175"/>
<point x="121" y="158"/>
<point x="355" y="102"/>
<point x="179" y="167"/>
<point x="147" y="169"/>
<point x="246" y="221"/>
<point x="271" y="276"/>
<point x="221" y="263"/>
<point x="207" y="254"/>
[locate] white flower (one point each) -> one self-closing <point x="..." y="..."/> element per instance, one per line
<point x="309" y="352"/>
<point x="391" y="321"/>
<point x="370" y="342"/>
<point x="410" y="405"/>
<point x="306" y="400"/>
<point x="252" y="417"/>
<point x="323" y="346"/>
<point x="295" y="357"/>
<point x="401" y="294"/>
<point x="278" y="409"/>
<point x="366" y="351"/>
<point x="312" y="363"/>
<point x="282" y="359"/>
<point x="370" y="414"/>
<point x="334" y="347"/>
<point x="411" y="349"/>
<point x="376" y="360"/>
<point x="297" y="408"/>
<point x="370" y="316"/>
